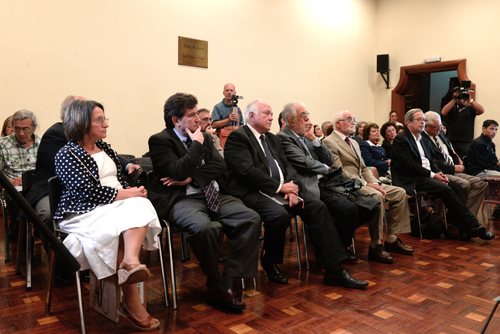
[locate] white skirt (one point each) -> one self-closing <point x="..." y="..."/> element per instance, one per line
<point x="94" y="236"/>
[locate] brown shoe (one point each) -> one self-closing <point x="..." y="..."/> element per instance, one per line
<point x="228" y="298"/>
<point x="379" y="254"/>
<point x="398" y="247"/>
<point x="351" y="257"/>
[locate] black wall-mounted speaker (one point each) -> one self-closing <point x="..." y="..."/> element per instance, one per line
<point x="382" y="63"/>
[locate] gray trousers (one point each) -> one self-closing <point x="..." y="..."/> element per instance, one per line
<point x="241" y="226"/>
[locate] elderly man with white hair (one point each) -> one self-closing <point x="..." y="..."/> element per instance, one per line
<point x="449" y="162"/>
<point x="348" y="156"/>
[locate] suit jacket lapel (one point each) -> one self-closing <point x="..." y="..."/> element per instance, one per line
<point x="180" y="148"/>
<point x="296" y="140"/>
<point x="345" y="147"/>
<point x="257" y="147"/>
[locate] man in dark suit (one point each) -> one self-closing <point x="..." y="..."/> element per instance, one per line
<point x="258" y="173"/>
<point x="413" y="169"/>
<point x="312" y="160"/>
<point x="188" y="191"/>
<point x="52" y="141"/>
<point x="450" y="163"/>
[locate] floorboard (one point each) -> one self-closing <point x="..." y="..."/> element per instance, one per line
<point x="447" y="286"/>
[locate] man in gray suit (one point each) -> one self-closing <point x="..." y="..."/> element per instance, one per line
<point x="348" y="156"/>
<point x="312" y="160"/>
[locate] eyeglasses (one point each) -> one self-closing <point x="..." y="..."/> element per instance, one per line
<point x="349" y="120"/>
<point x="420" y="119"/>
<point x="25" y="130"/>
<point x="303" y="115"/>
<point x="101" y="120"/>
<point x="207" y="119"/>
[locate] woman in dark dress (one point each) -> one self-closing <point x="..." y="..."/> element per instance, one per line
<point x="372" y="153"/>
<point x="388" y="131"/>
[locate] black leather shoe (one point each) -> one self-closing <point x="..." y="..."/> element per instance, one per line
<point x="398" y="247"/>
<point x="475" y="232"/>
<point x="379" y="254"/>
<point x="228" y="298"/>
<point x="487" y="235"/>
<point x="345" y="280"/>
<point x="351" y="257"/>
<point x="274" y="273"/>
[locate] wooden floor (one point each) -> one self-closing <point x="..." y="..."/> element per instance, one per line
<point x="446" y="287"/>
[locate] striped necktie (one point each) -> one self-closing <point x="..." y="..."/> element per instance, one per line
<point x="447" y="158"/>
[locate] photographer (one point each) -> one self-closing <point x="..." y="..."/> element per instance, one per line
<point x="460" y="113"/>
<point x="222" y="115"/>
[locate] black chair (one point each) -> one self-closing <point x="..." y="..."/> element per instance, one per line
<point x="55" y="189"/>
<point x="127" y="157"/>
<point x="145" y="163"/>
<point x="25" y="224"/>
<point x="5" y="220"/>
<point x="418" y="196"/>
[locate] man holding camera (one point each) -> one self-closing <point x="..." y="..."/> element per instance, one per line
<point x="222" y="115"/>
<point x="460" y="114"/>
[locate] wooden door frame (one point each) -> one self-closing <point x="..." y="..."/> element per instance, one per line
<point x="398" y="93"/>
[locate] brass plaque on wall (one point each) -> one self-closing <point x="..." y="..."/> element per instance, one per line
<point x="193" y="52"/>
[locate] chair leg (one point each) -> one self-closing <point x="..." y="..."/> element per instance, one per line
<point x="418" y="213"/>
<point x="52" y="265"/>
<point x="184" y="248"/>
<point x="172" y="269"/>
<point x="296" y="229"/>
<point x="19" y="247"/>
<point x="28" y="256"/>
<point x="306" y="254"/>
<point x="80" y="301"/>
<point x="353" y="246"/>
<point x="162" y="266"/>
<point x="5" y="229"/>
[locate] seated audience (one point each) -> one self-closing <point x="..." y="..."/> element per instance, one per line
<point x="400" y="128"/>
<point x="388" y="131"/>
<point x="108" y="221"/>
<point x="8" y="127"/>
<point x="393" y="117"/>
<point x="358" y="133"/>
<point x="413" y="169"/>
<point x="348" y="156"/>
<point x="482" y="158"/>
<point x="18" y="153"/>
<point x="444" y="128"/>
<point x="312" y="160"/>
<point x="188" y="191"/>
<point x="263" y="178"/>
<point x="451" y="164"/>
<point x="372" y="153"/>
<point x="205" y="124"/>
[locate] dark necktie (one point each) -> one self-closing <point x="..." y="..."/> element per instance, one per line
<point x="448" y="159"/>
<point x="304" y="143"/>
<point x="209" y="190"/>
<point x="272" y="164"/>
<point x="348" y="141"/>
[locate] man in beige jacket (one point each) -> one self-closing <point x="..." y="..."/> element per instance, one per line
<point x="348" y="156"/>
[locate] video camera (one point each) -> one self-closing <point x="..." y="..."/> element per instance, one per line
<point x="463" y="90"/>
<point x="235" y="99"/>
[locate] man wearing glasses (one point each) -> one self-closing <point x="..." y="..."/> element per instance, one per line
<point x="348" y="156"/>
<point x="205" y="124"/>
<point x="18" y="153"/>
<point x="413" y="169"/>
<point x="450" y="163"/>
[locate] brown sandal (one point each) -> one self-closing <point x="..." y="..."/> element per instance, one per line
<point x="143" y="326"/>
<point x="132" y="273"/>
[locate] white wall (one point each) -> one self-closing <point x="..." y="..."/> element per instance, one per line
<point x="123" y="53"/>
